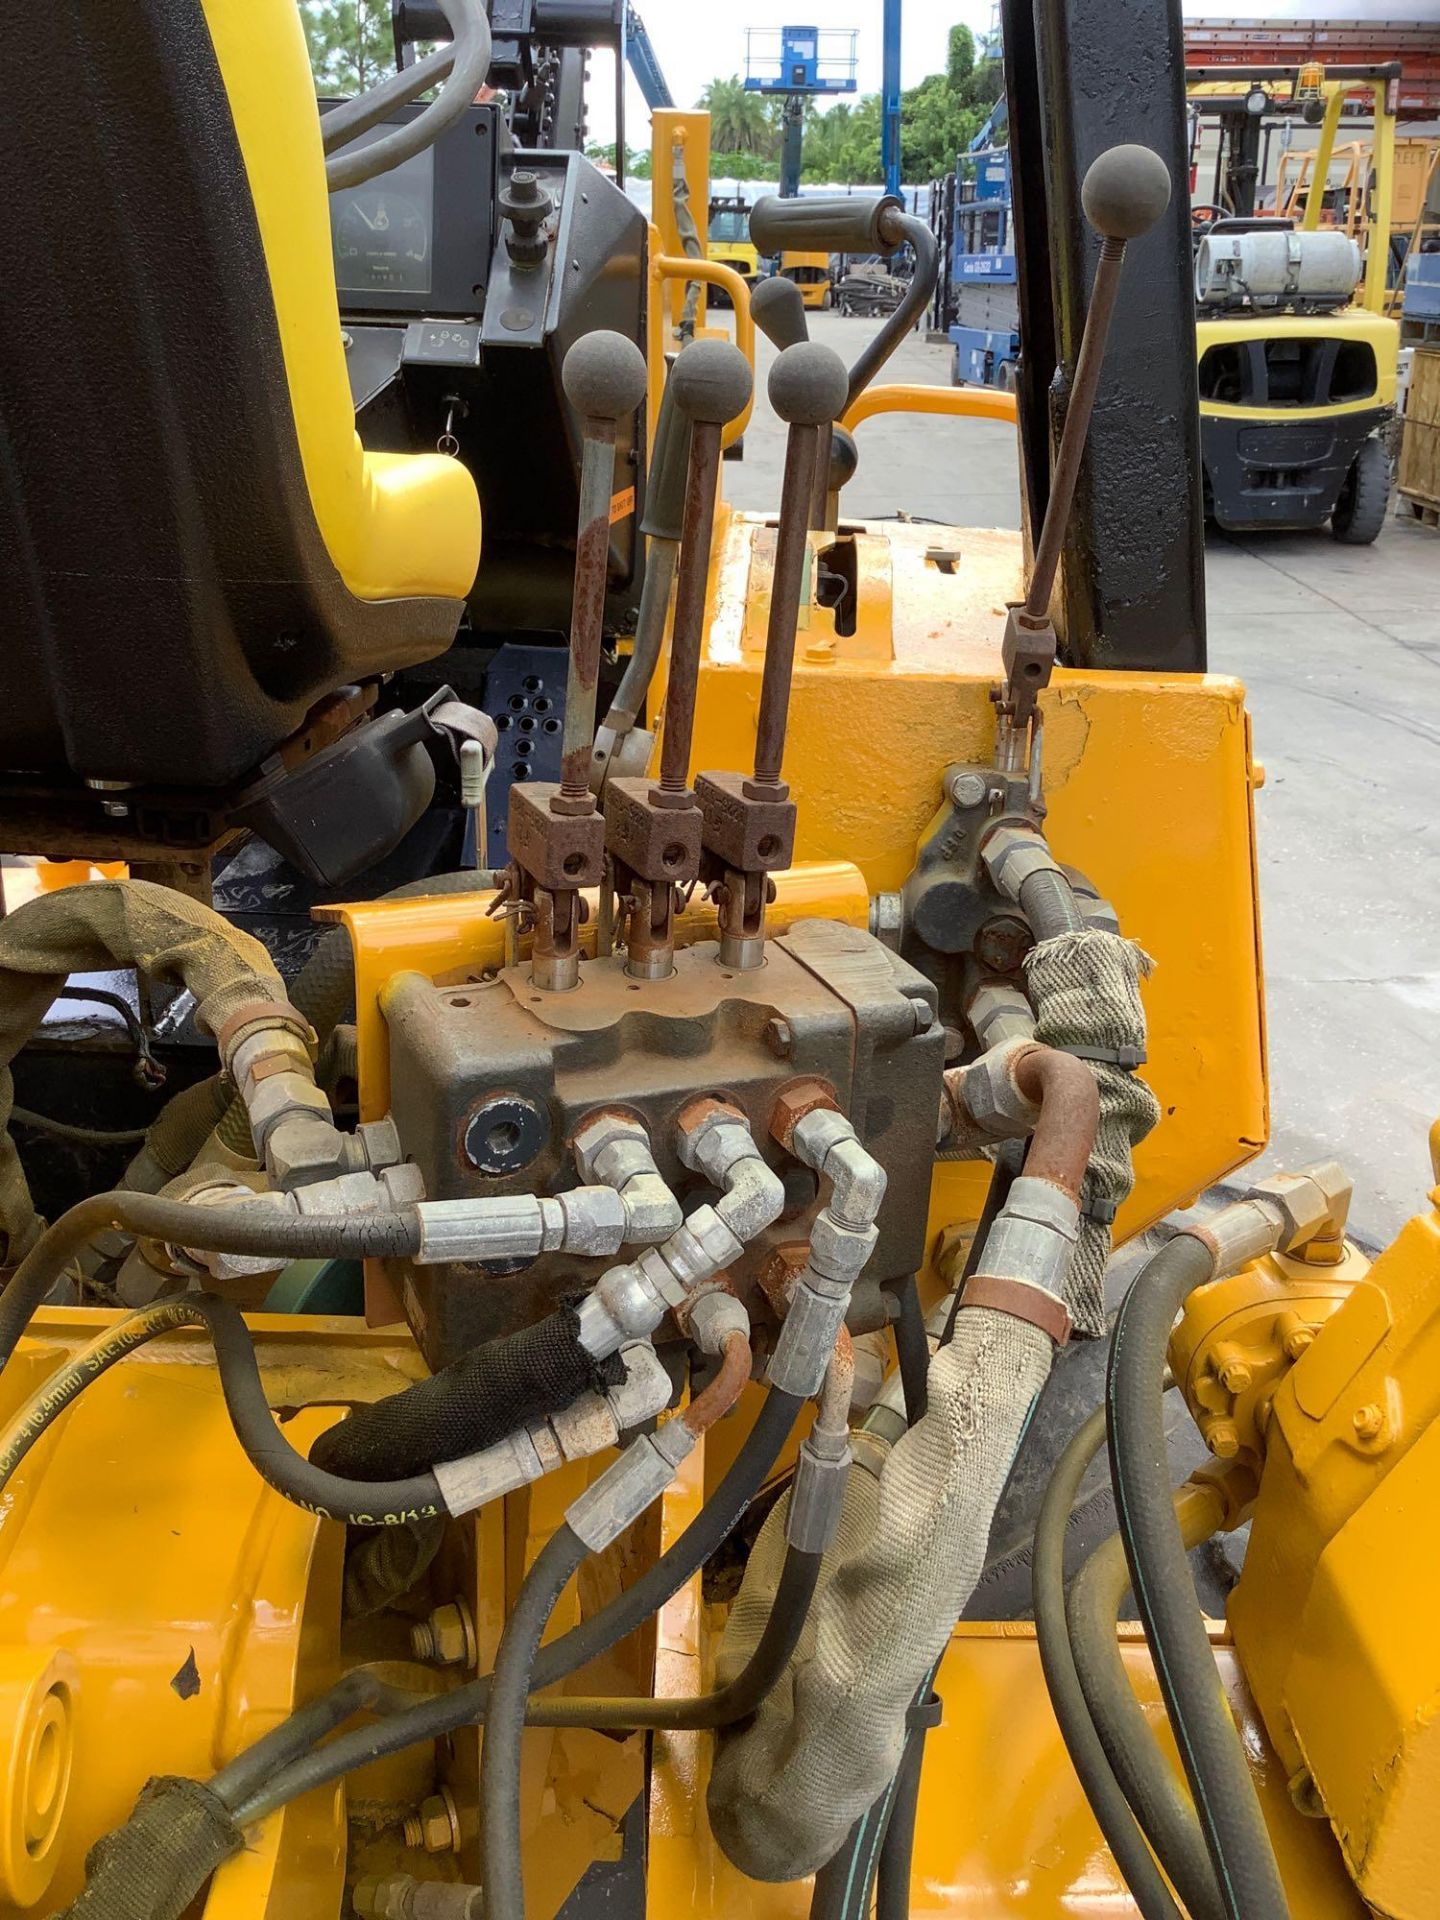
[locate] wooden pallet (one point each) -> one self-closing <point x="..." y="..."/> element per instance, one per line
<point x="1419" y="474"/>
<point x="1411" y="506"/>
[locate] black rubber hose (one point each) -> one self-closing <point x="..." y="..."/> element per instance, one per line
<point x="912" y="1350"/>
<point x="359" y="1690"/>
<point x="1082" y="1742"/>
<point x="1008" y="1160"/>
<point x="560" y="1557"/>
<point x="359" y="1504"/>
<point x="241" y="1228"/>
<point x="724" y="1706"/>
<point x="470" y="1405"/>
<point x="844" y="1884"/>
<point x="1210" y="1748"/>
<point x="614" y="1622"/>
<point x="1156" y="1796"/>
<point x="897" y="1849"/>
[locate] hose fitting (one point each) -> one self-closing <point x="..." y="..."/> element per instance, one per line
<point x="612" y="1146"/>
<point x="841" y="1241"/>
<point x="627" y="1487"/>
<point x="587" y="1426"/>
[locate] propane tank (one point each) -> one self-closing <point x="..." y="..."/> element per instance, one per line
<point x="1276" y="268"/>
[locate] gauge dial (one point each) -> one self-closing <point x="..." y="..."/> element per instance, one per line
<point x="382" y="243"/>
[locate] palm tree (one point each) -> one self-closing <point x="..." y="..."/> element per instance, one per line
<point x="738" y="120"/>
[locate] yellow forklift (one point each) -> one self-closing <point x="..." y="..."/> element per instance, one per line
<point x="1297" y="353"/>
<point x="598" y="1384"/>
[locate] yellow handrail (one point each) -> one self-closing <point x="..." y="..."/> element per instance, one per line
<point x="663" y="267"/>
<point x="961" y="403"/>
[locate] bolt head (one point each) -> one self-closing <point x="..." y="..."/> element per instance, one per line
<point x="1298" y="1341"/>
<point x="1369" y="1421"/>
<point x="1235" y="1376"/>
<point x="1222" y="1439"/>
<point x="968" y="790"/>
<point x="778" y="1037"/>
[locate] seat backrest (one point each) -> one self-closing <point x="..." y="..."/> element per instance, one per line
<point x="193" y="543"/>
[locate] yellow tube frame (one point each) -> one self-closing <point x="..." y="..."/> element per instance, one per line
<point x="961" y="403"/>
<point x="665" y="267"/>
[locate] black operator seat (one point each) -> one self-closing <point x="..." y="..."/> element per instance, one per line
<point x="195" y="549"/>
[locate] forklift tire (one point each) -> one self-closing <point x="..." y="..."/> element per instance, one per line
<point x="1360" y="510"/>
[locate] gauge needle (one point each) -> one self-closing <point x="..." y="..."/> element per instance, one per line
<point x="361" y="211"/>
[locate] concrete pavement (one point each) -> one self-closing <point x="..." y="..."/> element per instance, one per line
<point x="1340" y="649"/>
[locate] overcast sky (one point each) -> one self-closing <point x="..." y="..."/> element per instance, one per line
<point x="696" y="43"/>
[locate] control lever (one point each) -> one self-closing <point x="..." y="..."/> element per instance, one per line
<point x="750" y="822"/>
<point x="1124" y="193"/>
<point x="556" y="836"/>
<point x="621" y="745"/>
<point x="778" y="308"/>
<point x="854" y="223"/>
<point x="653" y="829"/>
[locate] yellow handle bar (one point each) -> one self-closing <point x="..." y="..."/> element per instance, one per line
<point x="666" y="266"/>
<point x="962" y="403"/>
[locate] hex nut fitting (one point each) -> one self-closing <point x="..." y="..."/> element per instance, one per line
<point x="697" y="1120"/>
<point x="446" y="1637"/>
<point x="794" y="1102"/>
<point x="435" y="1824"/>
<point x="598" y="1130"/>
<point x="1312" y="1204"/>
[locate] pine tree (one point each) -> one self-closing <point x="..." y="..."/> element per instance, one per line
<point x="352" y="45"/>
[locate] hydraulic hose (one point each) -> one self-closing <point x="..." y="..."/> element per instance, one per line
<point x="897" y="1849"/>
<point x="356" y="1503"/>
<point x="912" y="1350"/>
<point x="559" y="1558"/>
<point x="1082" y="1742"/>
<point x="1156" y="1797"/>
<point x="232" y="1229"/>
<point x="436" y="1718"/>
<point x="1214" y="1761"/>
<point x="469" y="1405"/>
<point x="724" y="1705"/>
<point x="359" y="1690"/>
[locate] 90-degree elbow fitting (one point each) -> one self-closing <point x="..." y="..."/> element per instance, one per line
<point x="825" y="1141"/>
<point x="613" y="1147"/>
<point x="714" y="1138"/>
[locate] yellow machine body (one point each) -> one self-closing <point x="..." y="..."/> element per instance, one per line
<point x="1356" y="325"/>
<point x="1334" y="1612"/>
<point x="811" y="273"/>
<point x="161" y="1608"/>
<point x="876" y="713"/>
